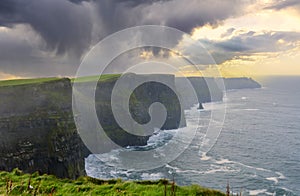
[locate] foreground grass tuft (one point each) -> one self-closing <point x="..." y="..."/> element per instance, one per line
<point x="19" y="183"/>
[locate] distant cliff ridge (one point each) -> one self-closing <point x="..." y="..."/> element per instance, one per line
<point x="240" y="83"/>
<point x="206" y="90"/>
<point x="37" y="126"/>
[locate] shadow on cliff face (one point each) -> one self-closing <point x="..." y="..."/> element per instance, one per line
<point x="140" y="101"/>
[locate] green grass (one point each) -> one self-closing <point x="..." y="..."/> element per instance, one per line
<point x="103" y="78"/>
<point x="26" y="81"/>
<point x="17" y="183"/>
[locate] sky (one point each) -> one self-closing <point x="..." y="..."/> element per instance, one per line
<point x="44" y="38"/>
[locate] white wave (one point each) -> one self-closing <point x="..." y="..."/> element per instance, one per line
<point x="262" y="172"/>
<point x="118" y="173"/>
<point x="287" y="190"/>
<point x="210" y="171"/>
<point x="268" y="193"/>
<point x="213" y="169"/>
<point x="274" y="179"/>
<point x="151" y="176"/>
<point x="178" y="170"/>
<point x="258" y="191"/>
<point x="171" y="167"/>
<point x="160" y="137"/>
<point x="223" y="161"/>
<point x="190" y="171"/>
<point x="221" y="169"/>
<point x="244" y="98"/>
<point x="110" y="157"/>
<point x="204" y="157"/>
<point x="252" y="167"/>
<point x="281" y="176"/>
<point x="250" y="109"/>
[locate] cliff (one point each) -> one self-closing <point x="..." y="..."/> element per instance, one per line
<point x="38" y="131"/>
<point x="206" y="90"/>
<point x="240" y="83"/>
<point x="37" y="126"/>
<point x="140" y="100"/>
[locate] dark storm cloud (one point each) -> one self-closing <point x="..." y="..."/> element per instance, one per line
<point x="64" y="26"/>
<point x="251" y="43"/>
<point x="20" y="55"/>
<point x="278" y="5"/>
<point x="6" y="10"/>
<point x="72" y="26"/>
<point x="182" y="14"/>
<point x="78" y="1"/>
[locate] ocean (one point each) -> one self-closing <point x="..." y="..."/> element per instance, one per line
<point x="257" y="151"/>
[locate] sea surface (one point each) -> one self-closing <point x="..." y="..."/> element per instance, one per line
<point x="257" y="152"/>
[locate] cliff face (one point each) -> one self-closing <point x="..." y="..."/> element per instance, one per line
<point x="37" y="130"/>
<point x="240" y="83"/>
<point x="139" y="103"/>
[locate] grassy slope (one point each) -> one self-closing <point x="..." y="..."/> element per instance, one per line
<point x="47" y="184"/>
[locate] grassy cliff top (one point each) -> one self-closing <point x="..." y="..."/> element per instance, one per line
<point x="16" y="82"/>
<point x="26" y="81"/>
<point x="103" y="78"/>
<point x="18" y="183"/>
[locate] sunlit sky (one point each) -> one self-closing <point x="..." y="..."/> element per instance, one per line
<point x="246" y="38"/>
<point x="284" y="61"/>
